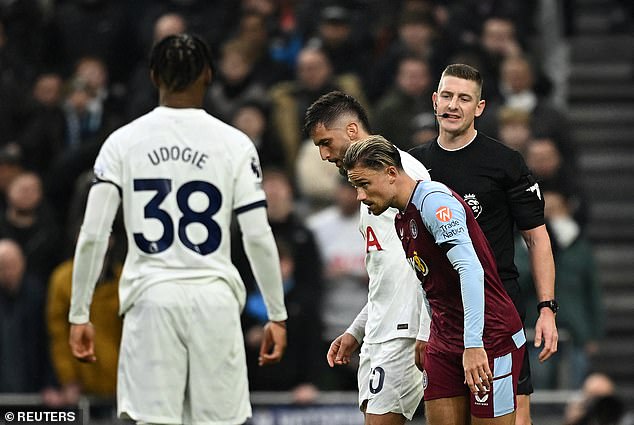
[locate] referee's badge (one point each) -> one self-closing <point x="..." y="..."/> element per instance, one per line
<point x="473" y="202"/>
<point x="413" y="228"/>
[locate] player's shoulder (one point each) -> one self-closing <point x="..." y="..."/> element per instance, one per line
<point x="128" y="131"/>
<point x="426" y="190"/>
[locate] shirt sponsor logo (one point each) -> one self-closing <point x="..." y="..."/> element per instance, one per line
<point x="418" y="264"/>
<point x="451" y="229"/>
<point x="444" y="214"/>
<point x="471" y="200"/>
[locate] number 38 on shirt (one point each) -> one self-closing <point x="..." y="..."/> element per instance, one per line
<point x="153" y="210"/>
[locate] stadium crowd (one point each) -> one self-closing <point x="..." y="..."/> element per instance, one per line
<point x="72" y="71"/>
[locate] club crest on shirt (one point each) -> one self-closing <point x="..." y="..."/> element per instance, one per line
<point x="473" y="202"/>
<point x="255" y="167"/>
<point x="413" y="228"/>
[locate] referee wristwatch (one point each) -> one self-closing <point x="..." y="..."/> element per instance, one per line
<point x="551" y="304"/>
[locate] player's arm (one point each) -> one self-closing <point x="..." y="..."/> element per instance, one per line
<point x="92" y="244"/>
<point x="462" y="256"/>
<point x="527" y="207"/>
<point x="543" y="270"/>
<point x="260" y="248"/>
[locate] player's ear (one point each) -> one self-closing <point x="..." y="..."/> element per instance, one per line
<point x="208" y="76"/>
<point x="154" y="78"/>
<point x="480" y="108"/>
<point x="352" y="130"/>
<point x="392" y="172"/>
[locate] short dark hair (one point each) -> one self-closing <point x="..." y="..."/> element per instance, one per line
<point x="465" y="72"/>
<point x="373" y="152"/>
<point x="178" y="60"/>
<point x="329" y="107"/>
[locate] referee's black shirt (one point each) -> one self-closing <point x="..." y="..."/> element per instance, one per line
<point x="495" y="182"/>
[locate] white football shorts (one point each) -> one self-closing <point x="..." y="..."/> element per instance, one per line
<point x="182" y="357"/>
<point x="389" y="379"/>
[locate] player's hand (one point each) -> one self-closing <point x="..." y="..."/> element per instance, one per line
<point x="341" y="349"/>
<point x="477" y="372"/>
<point x="546" y="332"/>
<point x="273" y="344"/>
<point x="82" y="342"/>
<point x="419" y="354"/>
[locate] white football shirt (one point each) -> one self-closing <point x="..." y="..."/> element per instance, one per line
<point x="181" y="173"/>
<point x="395" y="296"/>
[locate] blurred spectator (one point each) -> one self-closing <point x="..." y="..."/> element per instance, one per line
<point x="470" y="17"/>
<point x="302" y="264"/>
<point x="597" y="404"/>
<point x="342" y="248"/>
<point x="409" y="97"/>
<point x="417" y="36"/>
<point x="24" y="356"/>
<point x="303" y="362"/>
<point x="212" y="20"/>
<point x="13" y="78"/>
<point x="605" y="410"/>
<point x="498" y="41"/>
<point x="335" y="36"/>
<point x="252" y="117"/>
<point x="144" y="97"/>
<point x="255" y="34"/>
<point x="10" y="168"/>
<point x="234" y="81"/>
<point x="94" y="28"/>
<point x="317" y="180"/>
<point x="82" y="123"/>
<point x="23" y="23"/>
<point x="545" y="160"/>
<point x="518" y="91"/>
<point x="91" y="115"/>
<point x="425" y="128"/>
<point x="291" y="98"/>
<point x="28" y="220"/>
<point x="76" y="378"/>
<point x="578" y="292"/>
<point x="286" y="38"/>
<point x="91" y="110"/>
<point x="514" y="128"/>
<point x="106" y="104"/>
<point x="43" y="137"/>
<point x="287" y="225"/>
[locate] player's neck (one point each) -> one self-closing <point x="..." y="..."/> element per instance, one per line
<point x="452" y="141"/>
<point x="405" y="189"/>
<point x="180" y="100"/>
